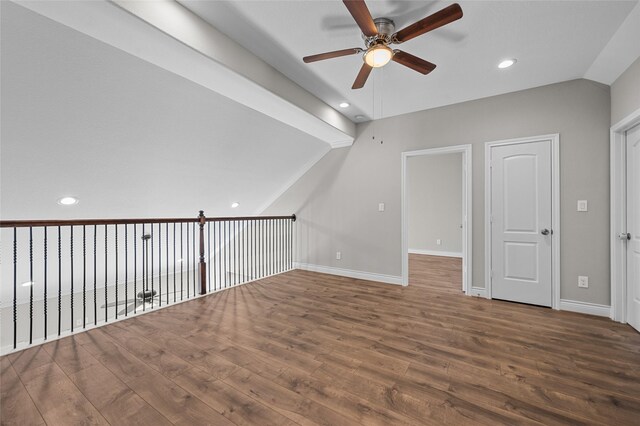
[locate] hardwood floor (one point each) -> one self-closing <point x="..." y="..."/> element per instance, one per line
<point x="307" y="348"/>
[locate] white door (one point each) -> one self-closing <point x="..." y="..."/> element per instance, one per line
<point x="633" y="227"/>
<point x="521" y="228"/>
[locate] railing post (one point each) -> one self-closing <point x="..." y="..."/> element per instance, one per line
<point x="203" y="264"/>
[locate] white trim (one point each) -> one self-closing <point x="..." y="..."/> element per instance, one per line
<point x="361" y="275"/>
<point x="342" y="144"/>
<point x="618" y="215"/>
<point x="467" y="211"/>
<point x="478" y="292"/>
<point x="436" y="253"/>
<point x="585" y="308"/>
<point x="555" y="211"/>
<point x="289" y="183"/>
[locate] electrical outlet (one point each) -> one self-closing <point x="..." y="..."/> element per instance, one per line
<point x="583" y="282"/>
<point x="439" y="242"/>
<point x="338" y="255"/>
<point x="582" y="206"/>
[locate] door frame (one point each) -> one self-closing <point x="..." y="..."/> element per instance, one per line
<point x="467" y="210"/>
<point x="555" y="211"/>
<point x="618" y="180"/>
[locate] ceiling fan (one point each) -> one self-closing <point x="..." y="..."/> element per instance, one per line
<point x="379" y="33"/>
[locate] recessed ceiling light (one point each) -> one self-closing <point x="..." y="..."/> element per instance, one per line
<point x="344" y="105"/>
<point x="27" y="284"/>
<point x="234" y="205"/>
<point x="507" y="63"/>
<point x="68" y="201"/>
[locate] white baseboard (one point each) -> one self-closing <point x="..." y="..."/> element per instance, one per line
<point x="585" y="308"/>
<point x="361" y="275"/>
<point x="478" y="292"/>
<point x="436" y="253"/>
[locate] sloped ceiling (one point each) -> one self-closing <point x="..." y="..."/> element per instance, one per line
<point x="552" y="40"/>
<point x="126" y="137"/>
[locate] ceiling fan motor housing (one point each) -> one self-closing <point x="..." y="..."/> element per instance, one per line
<point x="386" y="28"/>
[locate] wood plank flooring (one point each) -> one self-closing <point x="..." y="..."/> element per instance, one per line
<point x="307" y="348"/>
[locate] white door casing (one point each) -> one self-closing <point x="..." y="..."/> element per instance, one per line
<point x="521" y="243"/>
<point x="467" y="219"/>
<point x="633" y="227"/>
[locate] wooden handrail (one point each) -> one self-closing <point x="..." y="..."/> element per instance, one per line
<point x="74" y="222"/>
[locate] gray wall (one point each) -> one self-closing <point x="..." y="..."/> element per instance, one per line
<point x="625" y="93"/>
<point x="337" y="199"/>
<point x="434" y="188"/>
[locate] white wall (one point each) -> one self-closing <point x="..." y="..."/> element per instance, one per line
<point x="337" y="199"/>
<point x="625" y="93"/>
<point x="434" y="187"/>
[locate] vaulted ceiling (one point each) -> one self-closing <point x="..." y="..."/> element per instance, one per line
<point x="552" y="40"/>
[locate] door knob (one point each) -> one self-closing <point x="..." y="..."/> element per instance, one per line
<point x="545" y="231"/>
<point x="624" y="236"/>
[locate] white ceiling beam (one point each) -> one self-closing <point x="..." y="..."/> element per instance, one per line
<point x="170" y="36"/>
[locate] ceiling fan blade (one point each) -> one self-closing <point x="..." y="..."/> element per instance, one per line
<point x="329" y="55"/>
<point x="361" y="79"/>
<point x="413" y="62"/>
<point x="362" y="16"/>
<point x="430" y="23"/>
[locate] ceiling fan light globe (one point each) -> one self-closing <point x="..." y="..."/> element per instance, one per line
<point x="378" y="56"/>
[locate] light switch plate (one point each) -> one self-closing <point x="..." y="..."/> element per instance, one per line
<point x="338" y="255"/>
<point x="582" y="205"/>
<point x="381" y="207"/>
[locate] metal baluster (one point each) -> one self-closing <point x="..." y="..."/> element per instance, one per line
<point x="15" y="287"/>
<point x="280" y="253"/>
<point x="187" y="225"/>
<point x="135" y="267"/>
<point x="193" y="260"/>
<point x="174" y="262"/>
<point x="95" y="275"/>
<point x="59" y="281"/>
<point x="31" y="285"/>
<point x="116" y="257"/>
<point x="225" y="250"/>
<point x="84" y="276"/>
<point x="106" y="296"/>
<point x="244" y="249"/>
<point x="181" y="265"/>
<point x="166" y="237"/>
<point x="151" y="273"/>
<point x="220" y="247"/>
<point x="126" y="270"/>
<point x="145" y="269"/>
<point x="45" y="283"/>
<point x="209" y="254"/>
<point x="71" y="252"/>
<point x="159" y="265"/>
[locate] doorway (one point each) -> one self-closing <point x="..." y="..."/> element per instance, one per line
<point x="522" y="220"/>
<point x="625" y="221"/>
<point x="459" y="227"/>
